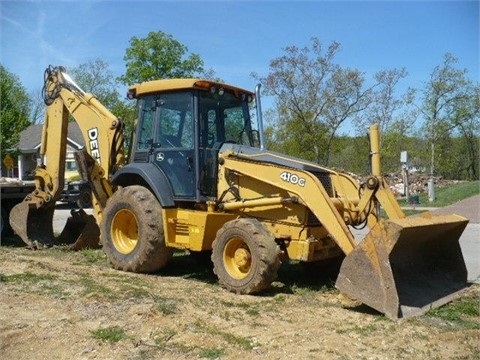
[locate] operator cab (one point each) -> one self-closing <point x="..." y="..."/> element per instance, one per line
<point x="181" y="126"/>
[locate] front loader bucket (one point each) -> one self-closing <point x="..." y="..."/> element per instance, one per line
<point x="35" y="227"/>
<point x="404" y="267"/>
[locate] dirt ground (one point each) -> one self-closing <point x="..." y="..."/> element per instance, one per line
<point x="58" y="304"/>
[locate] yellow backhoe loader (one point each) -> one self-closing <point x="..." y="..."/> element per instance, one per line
<point x="199" y="178"/>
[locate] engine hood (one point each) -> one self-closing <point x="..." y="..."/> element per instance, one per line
<point x="271" y="157"/>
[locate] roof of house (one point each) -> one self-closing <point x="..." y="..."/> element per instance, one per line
<point x="31" y="137"/>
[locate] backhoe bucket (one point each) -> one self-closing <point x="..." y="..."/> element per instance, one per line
<point x="35" y="227"/>
<point x="405" y="267"/>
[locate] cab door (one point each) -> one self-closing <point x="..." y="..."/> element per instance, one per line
<point x="165" y="137"/>
<point x="173" y="146"/>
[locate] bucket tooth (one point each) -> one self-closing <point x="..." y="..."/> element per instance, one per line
<point x="404" y="267"/>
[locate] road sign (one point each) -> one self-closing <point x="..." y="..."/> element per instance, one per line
<point x="8" y="162"/>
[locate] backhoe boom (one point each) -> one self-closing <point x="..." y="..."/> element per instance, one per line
<point x="103" y="136"/>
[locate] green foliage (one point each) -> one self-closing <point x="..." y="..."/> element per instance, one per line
<point x="111" y="334"/>
<point x="211" y="353"/>
<point x="165" y="306"/>
<point x="14" y="110"/>
<point x="96" y="77"/>
<point x="459" y="313"/>
<point x="446" y="196"/>
<point x="94" y="256"/>
<point x="28" y="277"/>
<point x="93" y="288"/>
<point x="351" y="154"/>
<point x="449" y="106"/>
<point x="240" y="341"/>
<point x="314" y="97"/>
<point x="452" y="194"/>
<point x="158" y="56"/>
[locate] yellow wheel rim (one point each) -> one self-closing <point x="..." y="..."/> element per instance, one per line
<point x="237" y="258"/>
<point x="124" y="231"/>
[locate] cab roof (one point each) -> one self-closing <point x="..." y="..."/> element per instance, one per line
<point x="181" y="84"/>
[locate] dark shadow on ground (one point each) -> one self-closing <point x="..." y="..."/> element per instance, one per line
<point x="291" y="276"/>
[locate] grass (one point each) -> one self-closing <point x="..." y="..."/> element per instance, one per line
<point x="449" y="195"/>
<point x="163" y="340"/>
<point x="93" y="256"/>
<point x="462" y="313"/>
<point x="26" y="277"/>
<point x="211" y="353"/>
<point x="111" y="334"/>
<point x="164" y="305"/>
<point x="36" y="283"/>
<point x="240" y="341"/>
<point x="362" y="330"/>
<point x="93" y="288"/>
<point x="164" y="336"/>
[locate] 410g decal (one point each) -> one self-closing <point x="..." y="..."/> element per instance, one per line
<point x="292" y="178"/>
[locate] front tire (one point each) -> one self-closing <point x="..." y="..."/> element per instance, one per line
<point x="245" y="256"/>
<point x="132" y="231"/>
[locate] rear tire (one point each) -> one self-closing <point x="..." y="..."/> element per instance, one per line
<point x="132" y="231"/>
<point x="245" y="256"/>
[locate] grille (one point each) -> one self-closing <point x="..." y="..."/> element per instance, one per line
<point x="326" y="181"/>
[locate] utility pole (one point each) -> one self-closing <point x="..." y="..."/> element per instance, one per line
<point x="404" y="161"/>
<point x="431" y="184"/>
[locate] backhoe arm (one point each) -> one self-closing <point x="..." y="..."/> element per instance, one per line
<point x="102" y="132"/>
<point x="103" y="154"/>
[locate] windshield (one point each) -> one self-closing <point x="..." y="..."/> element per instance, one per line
<point x="224" y="117"/>
<point x="166" y="121"/>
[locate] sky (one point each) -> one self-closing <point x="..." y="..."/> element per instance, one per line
<point x="237" y="38"/>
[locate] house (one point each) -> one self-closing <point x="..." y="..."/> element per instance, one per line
<point x="29" y="148"/>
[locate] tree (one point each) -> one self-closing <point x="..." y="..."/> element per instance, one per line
<point x="385" y="103"/>
<point x="96" y="77"/>
<point x="466" y="119"/>
<point x="14" y="110"/>
<point x="37" y="105"/>
<point x="158" y="56"/>
<point x="313" y="98"/>
<point x="442" y="97"/>
<point x="392" y="112"/>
